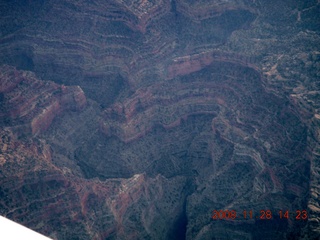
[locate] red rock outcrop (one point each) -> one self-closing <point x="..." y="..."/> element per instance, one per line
<point x="33" y="189"/>
<point x="193" y="63"/>
<point x="169" y="102"/>
<point x="35" y="103"/>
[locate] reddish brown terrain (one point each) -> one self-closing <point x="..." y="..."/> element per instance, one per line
<point x="32" y="103"/>
<point x="137" y="119"/>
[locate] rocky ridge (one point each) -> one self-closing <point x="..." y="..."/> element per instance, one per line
<point x="29" y="102"/>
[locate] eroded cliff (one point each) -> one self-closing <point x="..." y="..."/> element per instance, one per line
<point x="27" y="101"/>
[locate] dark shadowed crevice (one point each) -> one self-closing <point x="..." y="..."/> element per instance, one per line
<point x="179" y="228"/>
<point x="174" y="7"/>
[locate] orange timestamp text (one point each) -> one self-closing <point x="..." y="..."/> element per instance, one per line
<point x="262" y="215"/>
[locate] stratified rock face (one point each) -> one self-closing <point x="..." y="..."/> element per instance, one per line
<point x="63" y="206"/>
<point x="145" y="11"/>
<point x="159" y="113"/>
<point x="205" y="9"/>
<point x="107" y="46"/>
<point x="168" y="102"/>
<point x="248" y="144"/>
<point x="31" y="102"/>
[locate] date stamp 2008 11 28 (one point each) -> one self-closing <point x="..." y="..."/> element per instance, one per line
<point x="263" y="215"/>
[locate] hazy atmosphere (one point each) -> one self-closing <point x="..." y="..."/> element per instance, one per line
<point x="161" y="119"/>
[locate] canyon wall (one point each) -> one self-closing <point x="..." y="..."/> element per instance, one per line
<point x="137" y="119"/>
<point x="33" y="103"/>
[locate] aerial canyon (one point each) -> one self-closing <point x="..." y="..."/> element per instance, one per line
<point x="139" y="119"/>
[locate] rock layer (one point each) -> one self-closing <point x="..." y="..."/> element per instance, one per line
<point x="187" y="107"/>
<point x="33" y="103"/>
<point x="87" y="209"/>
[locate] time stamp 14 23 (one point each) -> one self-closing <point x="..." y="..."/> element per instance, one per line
<point x="262" y="215"/>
